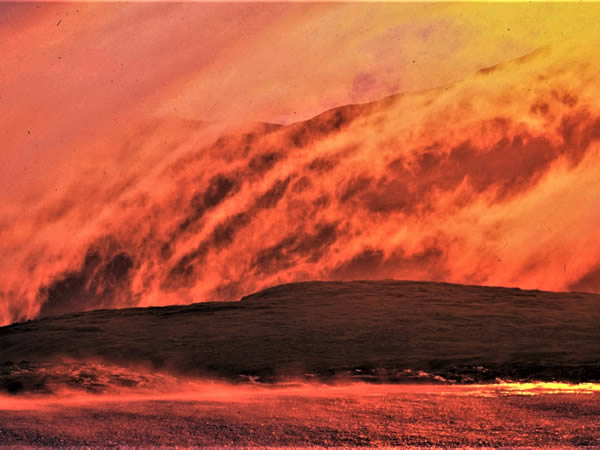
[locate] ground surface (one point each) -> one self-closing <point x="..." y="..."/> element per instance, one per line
<point x="351" y="416"/>
<point x="141" y="376"/>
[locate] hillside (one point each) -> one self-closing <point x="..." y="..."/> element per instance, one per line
<point x="367" y="330"/>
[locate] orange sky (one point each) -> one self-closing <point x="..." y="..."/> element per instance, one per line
<point x="73" y="73"/>
<point x="110" y="116"/>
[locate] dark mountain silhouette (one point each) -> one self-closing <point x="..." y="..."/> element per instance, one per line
<point x="368" y="330"/>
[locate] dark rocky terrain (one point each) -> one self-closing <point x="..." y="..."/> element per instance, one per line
<point x="378" y="331"/>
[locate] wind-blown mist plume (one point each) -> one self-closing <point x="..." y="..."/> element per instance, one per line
<point x="489" y="180"/>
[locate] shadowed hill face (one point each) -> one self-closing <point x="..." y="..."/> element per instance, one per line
<point x="369" y="330"/>
<point x="491" y="180"/>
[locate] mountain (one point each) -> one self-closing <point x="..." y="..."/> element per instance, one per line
<point x="365" y="330"/>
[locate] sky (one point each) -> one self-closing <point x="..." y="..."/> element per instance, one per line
<point x="136" y="154"/>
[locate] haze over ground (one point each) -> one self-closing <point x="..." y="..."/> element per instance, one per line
<point x="138" y="169"/>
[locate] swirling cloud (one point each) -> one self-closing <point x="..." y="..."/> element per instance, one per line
<point x="487" y="180"/>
